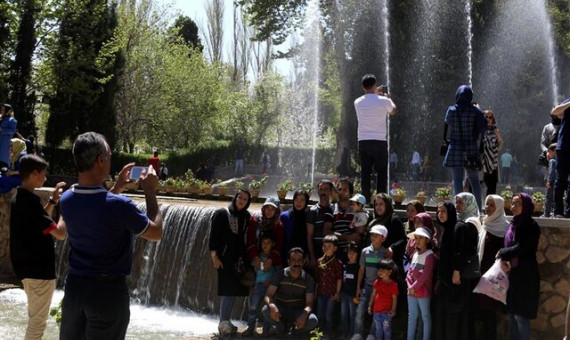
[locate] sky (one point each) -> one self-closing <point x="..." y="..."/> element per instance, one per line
<point x="196" y="10"/>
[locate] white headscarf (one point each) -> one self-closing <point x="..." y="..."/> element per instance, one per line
<point x="496" y="224"/>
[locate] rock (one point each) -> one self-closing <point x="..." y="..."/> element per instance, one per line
<point x="558" y="320"/>
<point x="554" y="304"/>
<point x="542" y="242"/>
<point x="540" y="257"/>
<point x="556" y="254"/>
<point x="540" y="323"/>
<point x="545" y="286"/>
<point x="563" y="286"/>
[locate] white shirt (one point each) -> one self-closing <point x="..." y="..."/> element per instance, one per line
<point x="371" y="112"/>
<point x="416" y="158"/>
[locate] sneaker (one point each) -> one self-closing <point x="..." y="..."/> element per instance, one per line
<point x="559" y="216"/>
<point x="249" y="332"/>
<point x="544" y="216"/>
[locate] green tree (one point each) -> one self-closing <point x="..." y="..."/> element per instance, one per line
<point x="85" y="64"/>
<point x="187" y="29"/>
<point x="6" y="19"/>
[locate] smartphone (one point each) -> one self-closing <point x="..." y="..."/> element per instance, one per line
<point x="385" y="89"/>
<point x="136" y="172"/>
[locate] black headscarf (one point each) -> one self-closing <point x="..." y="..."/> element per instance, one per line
<point x="299" y="217"/>
<point x="232" y="207"/>
<point x="385" y="218"/>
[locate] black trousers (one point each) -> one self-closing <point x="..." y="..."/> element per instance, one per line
<point x="373" y="153"/>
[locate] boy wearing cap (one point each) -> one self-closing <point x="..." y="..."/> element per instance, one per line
<point x="361" y="216"/>
<point x="370" y="257"/>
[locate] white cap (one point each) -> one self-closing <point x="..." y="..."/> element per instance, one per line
<point x="359" y="198"/>
<point x="420" y="232"/>
<point x="380" y="230"/>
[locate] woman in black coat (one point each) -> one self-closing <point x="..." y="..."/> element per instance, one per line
<point x="228" y="251"/>
<point x="518" y="258"/>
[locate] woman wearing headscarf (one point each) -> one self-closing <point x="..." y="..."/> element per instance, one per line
<point x="413" y="208"/>
<point x="446" y="218"/>
<point x="466" y="123"/>
<point x="17" y="150"/>
<point x="267" y="220"/>
<point x="459" y="324"/>
<point x="492" y="141"/>
<point x="8" y="127"/>
<point x="228" y="252"/>
<point x="518" y="259"/>
<point x="491" y="239"/>
<point x="294" y="223"/>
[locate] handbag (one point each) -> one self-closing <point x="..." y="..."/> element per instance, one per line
<point x="445" y="143"/>
<point x="471" y="270"/>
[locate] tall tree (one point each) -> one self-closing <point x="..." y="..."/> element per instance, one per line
<point x="85" y="65"/>
<point x="215" y="29"/>
<point x="188" y="30"/>
<point x="6" y="17"/>
<point x="21" y="99"/>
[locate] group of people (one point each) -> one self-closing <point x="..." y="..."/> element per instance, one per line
<point x="321" y="266"/>
<point x="100" y="226"/>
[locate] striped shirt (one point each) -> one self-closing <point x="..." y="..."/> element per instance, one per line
<point x="292" y="292"/>
<point x="341" y="223"/>
<point x="369" y="259"/>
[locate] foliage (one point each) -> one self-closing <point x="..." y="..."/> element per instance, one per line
<point x="286" y="185"/>
<point x="187" y="29"/>
<point x="55" y="312"/>
<point x="85" y="64"/>
<point x="443" y="192"/>
<point x="238" y="185"/>
<point x="257" y="184"/>
<point x="538" y="197"/>
<point x="507" y="194"/>
<point x="398" y="192"/>
<point x="306" y="186"/>
<point x="421" y="193"/>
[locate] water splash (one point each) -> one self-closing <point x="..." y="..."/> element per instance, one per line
<point x="469" y="41"/>
<point x="312" y="19"/>
<point x="548" y="36"/>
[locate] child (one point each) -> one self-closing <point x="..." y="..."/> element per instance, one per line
<point x="31" y="242"/>
<point x="348" y="290"/>
<point x="263" y="274"/>
<point x="419" y="280"/>
<point x="368" y="271"/>
<point x="384" y="299"/>
<point x="550" y="177"/>
<point x="361" y="216"/>
<point x="329" y="281"/>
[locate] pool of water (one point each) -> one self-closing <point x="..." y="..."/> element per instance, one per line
<point x="146" y="322"/>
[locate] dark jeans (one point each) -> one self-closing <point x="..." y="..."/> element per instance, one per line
<point x="491" y="182"/>
<point x="561" y="183"/>
<point x="373" y="153"/>
<point x="95" y="307"/>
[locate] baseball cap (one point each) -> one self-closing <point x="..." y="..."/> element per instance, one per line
<point x="380" y="230"/>
<point x="272" y="201"/>
<point x="420" y="232"/>
<point x="359" y="198"/>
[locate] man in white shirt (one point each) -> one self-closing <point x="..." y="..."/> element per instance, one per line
<point x="415" y="165"/>
<point x="372" y="110"/>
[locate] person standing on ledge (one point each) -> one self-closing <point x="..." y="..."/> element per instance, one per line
<point x="101" y="226"/>
<point x="372" y="110"/>
<point x="562" y="111"/>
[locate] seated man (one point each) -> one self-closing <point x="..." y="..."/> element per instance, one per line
<point x="289" y="298"/>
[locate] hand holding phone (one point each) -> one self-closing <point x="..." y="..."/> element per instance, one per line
<point x="384" y="89"/>
<point x="136" y="172"/>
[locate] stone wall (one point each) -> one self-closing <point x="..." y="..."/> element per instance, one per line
<point x="553" y="258"/>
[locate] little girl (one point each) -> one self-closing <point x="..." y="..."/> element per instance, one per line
<point x="419" y="280"/>
<point x="384" y="299"/>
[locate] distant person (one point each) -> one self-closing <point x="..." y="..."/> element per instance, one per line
<point x="289" y="298"/>
<point x="393" y="161"/>
<point x="154" y="161"/>
<point x="32" y="250"/>
<point x="492" y="142"/>
<point x="562" y="111"/>
<point x="17" y="151"/>
<point x="372" y="110"/>
<point x="466" y="123"/>
<point x="415" y="165"/>
<point x="265" y="161"/>
<point x="549" y="133"/>
<point x="163" y="171"/>
<point x="101" y="226"/>
<point x="238" y="171"/>
<point x="550" y="178"/>
<point x="506" y="166"/>
<point x="8" y="125"/>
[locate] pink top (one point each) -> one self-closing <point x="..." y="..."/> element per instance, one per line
<point x="420" y="275"/>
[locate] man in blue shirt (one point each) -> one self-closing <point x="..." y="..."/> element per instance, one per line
<point x="562" y="111"/>
<point x="101" y="226"/>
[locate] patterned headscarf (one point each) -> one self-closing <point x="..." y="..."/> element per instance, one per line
<point x="471" y="207"/>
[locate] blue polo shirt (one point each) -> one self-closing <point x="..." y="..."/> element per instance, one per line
<point x="101" y="227"/>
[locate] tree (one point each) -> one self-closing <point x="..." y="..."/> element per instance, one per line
<point x="187" y="29"/>
<point x="6" y="18"/>
<point x="215" y="29"/>
<point x="21" y="98"/>
<point x="85" y="65"/>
